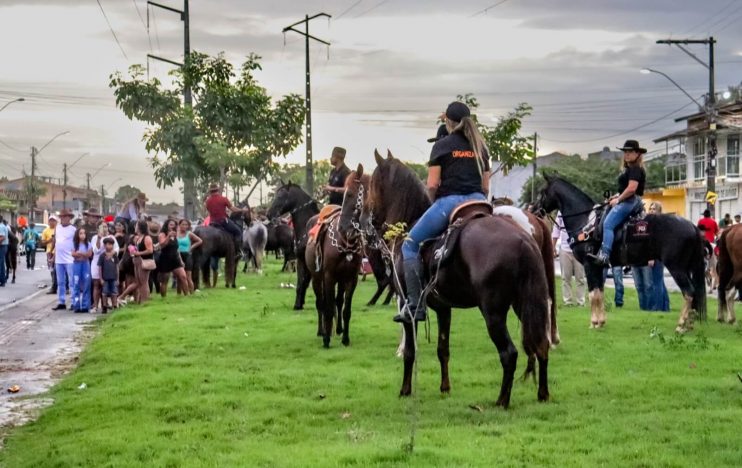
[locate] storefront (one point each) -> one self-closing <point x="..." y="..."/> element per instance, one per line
<point x="672" y="200"/>
<point x="727" y="201"/>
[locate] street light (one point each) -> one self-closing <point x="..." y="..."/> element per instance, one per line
<point x="647" y="71"/>
<point x="20" y="99"/>
<point x="34" y="154"/>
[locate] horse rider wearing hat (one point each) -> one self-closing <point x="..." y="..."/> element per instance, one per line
<point x="131" y="211"/>
<point x="217" y="205"/>
<point x="458" y="171"/>
<point x="630" y="189"/>
<point x="336" y="185"/>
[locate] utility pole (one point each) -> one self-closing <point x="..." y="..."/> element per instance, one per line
<point x="87" y="194"/>
<point x="535" y="167"/>
<point x="64" y="188"/>
<point x="710" y="109"/>
<point x="189" y="184"/>
<point x="32" y="185"/>
<point x="102" y="199"/>
<point x="308" y="92"/>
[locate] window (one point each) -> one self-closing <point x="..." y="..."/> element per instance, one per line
<point x="676" y="173"/>
<point x="732" y="160"/>
<point x="699" y="146"/>
<point x="699" y="167"/>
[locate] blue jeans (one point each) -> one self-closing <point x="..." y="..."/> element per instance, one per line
<point x="434" y="221"/>
<point x="660" y="298"/>
<point x="64" y="274"/>
<point x="644" y="286"/>
<point x="229" y="226"/>
<point x="616" y="216"/>
<point x="618" y="283"/>
<point x="81" y="285"/>
<point x="3" y="273"/>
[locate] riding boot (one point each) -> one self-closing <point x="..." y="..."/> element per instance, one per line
<point x="413" y="280"/>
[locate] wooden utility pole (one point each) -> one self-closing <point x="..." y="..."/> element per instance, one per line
<point x="32" y="185"/>
<point x="64" y="187"/>
<point x="189" y="184"/>
<point x="535" y="167"/>
<point x="308" y="92"/>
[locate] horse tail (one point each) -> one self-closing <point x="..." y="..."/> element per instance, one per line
<point x="698" y="278"/>
<point x="532" y="305"/>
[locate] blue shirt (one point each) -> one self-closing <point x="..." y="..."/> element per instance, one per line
<point x="5" y="232"/>
<point x="31" y="238"/>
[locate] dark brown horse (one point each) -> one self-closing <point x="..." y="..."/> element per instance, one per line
<point x="494" y="265"/>
<point x="334" y="259"/>
<point x="729" y="268"/>
<point x="217" y="243"/>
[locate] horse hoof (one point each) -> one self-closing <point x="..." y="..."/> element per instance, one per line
<point x="680" y="330"/>
<point x="326" y="343"/>
<point x="445" y="389"/>
<point x="502" y="402"/>
<point x="405" y="392"/>
<point x="339" y="331"/>
<point x="346" y="341"/>
<point x="593" y="325"/>
<point x="319" y="333"/>
<point x="601" y="324"/>
<point x="298" y="307"/>
<point x="543" y="396"/>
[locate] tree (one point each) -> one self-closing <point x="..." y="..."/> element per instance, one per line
<point x="505" y="143"/>
<point x="420" y="169"/>
<point x="592" y="176"/>
<point x="126" y="192"/>
<point x="296" y="173"/>
<point x="232" y="127"/>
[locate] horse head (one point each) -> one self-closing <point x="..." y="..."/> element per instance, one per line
<point x="354" y="201"/>
<point x="288" y="197"/>
<point x="395" y="192"/>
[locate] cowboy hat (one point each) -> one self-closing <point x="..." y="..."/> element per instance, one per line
<point x="92" y="212"/>
<point x="65" y="212"/>
<point x="633" y="145"/>
<point x="214" y="188"/>
<point x="142" y="196"/>
<point x="440" y="134"/>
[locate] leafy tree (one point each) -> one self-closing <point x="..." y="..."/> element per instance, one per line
<point x="296" y="173"/>
<point x="505" y="143"/>
<point x="6" y="204"/>
<point x="126" y="192"/>
<point x="420" y="169"/>
<point x="233" y="125"/>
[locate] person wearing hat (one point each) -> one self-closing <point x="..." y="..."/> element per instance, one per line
<point x="336" y="184"/>
<point x="630" y="189"/>
<point x="441" y="133"/>
<point x="458" y="171"/>
<point x="47" y="241"/>
<point x="131" y="211"/>
<point x="64" y="236"/>
<point x="92" y="218"/>
<point x="217" y="205"/>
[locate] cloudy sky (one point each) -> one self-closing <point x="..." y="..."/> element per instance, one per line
<point x="393" y="66"/>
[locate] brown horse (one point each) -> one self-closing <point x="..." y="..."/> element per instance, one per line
<point x="494" y="265"/>
<point x="729" y="268"/>
<point x="541" y="233"/>
<point x="334" y="259"/>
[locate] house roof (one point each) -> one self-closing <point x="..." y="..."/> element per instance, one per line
<point x="17" y="184"/>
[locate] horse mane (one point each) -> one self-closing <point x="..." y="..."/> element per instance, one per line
<point x="365" y="180"/>
<point x="403" y="184"/>
<point x="574" y="188"/>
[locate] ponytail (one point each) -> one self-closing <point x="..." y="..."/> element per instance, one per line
<point x="471" y="133"/>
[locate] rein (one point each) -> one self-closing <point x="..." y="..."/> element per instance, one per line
<point x="301" y="207"/>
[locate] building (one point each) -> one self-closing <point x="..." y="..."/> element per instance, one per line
<point x="52" y="197"/>
<point x="511" y="185"/>
<point x="685" y="169"/>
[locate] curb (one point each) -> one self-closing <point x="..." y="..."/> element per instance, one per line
<point x="21" y="301"/>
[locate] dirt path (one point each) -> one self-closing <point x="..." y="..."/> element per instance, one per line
<point x="37" y="346"/>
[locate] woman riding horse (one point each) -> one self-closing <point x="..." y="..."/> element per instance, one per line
<point x="458" y="171"/>
<point x="630" y="189"/>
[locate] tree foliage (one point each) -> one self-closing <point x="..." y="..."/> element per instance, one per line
<point x="593" y="176"/>
<point x="506" y="145"/>
<point x="233" y="126"/>
<point x="126" y="192"/>
<point x="296" y="173"/>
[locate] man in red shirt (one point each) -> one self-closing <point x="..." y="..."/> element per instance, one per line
<point x="217" y="205"/>
<point x="708" y="226"/>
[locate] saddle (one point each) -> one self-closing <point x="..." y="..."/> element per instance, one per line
<point x="326" y="215"/>
<point x="631" y="236"/>
<point x="443" y="245"/>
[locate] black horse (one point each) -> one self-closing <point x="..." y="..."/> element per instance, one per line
<point x="290" y="198"/>
<point x="281" y="240"/>
<point x="382" y="272"/>
<point x="673" y="240"/>
<point x="217" y="243"/>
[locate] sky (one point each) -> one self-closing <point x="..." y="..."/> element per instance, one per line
<point x="393" y="66"/>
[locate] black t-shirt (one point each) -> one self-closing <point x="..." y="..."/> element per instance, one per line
<point x="460" y="173"/>
<point x="109" y="266"/>
<point x="632" y="173"/>
<point x="337" y="179"/>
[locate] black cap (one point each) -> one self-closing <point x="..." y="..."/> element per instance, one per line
<point x="107" y="240"/>
<point x="441" y="133"/>
<point x="457" y="110"/>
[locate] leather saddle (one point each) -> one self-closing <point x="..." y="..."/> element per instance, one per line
<point x="325" y="217"/>
<point x="632" y="237"/>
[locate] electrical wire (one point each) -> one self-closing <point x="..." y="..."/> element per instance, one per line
<point x="710" y="18"/>
<point x="484" y="12"/>
<point x="112" y="31"/>
<point x="371" y="9"/>
<point x="10" y="147"/>
<point x="146" y="29"/>
<point x="345" y="12"/>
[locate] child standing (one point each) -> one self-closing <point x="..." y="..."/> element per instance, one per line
<point x="81" y="253"/>
<point x="108" y="263"/>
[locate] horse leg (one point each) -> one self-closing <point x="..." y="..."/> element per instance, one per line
<point x="685" y="321"/>
<point x="726" y="291"/>
<point x="601" y="309"/>
<point x="731" y="296"/>
<point x="444" y="333"/>
<point x="347" y="311"/>
<point x="389" y="296"/>
<point x="408" y="356"/>
<point x="594" y="296"/>
<point x="328" y="310"/>
<point x="377" y="294"/>
<point x="302" y="282"/>
<point x="339" y="299"/>
<point x="495" y="315"/>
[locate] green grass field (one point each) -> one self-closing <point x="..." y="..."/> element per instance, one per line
<point x="236" y="378"/>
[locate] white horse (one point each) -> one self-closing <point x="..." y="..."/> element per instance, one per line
<point x="254" y="238"/>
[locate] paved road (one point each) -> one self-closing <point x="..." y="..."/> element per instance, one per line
<point x="27" y="282"/>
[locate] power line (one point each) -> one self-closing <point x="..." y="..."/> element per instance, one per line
<point x="112" y="31"/>
<point x="484" y="12"/>
<point x="710" y="18"/>
<point x="624" y="132"/>
<point x="345" y="12"/>
<point x="371" y="9"/>
<point x="10" y="147"/>
<point x="139" y="14"/>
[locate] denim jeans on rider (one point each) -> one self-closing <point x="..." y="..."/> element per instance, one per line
<point x="64" y="275"/>
<point x="616" y="216"/>
<point x="644" y="286"/>
<point x="229" y="226"/>
<point x="81" y="285"/>
<point x="434" y="221"/>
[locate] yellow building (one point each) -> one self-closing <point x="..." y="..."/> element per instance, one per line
<point x="671" y="198"/>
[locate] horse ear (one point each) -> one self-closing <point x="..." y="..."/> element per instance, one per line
<point x="359" y="170"/>
<point x="377" y="156"/>
<point x="389" y="155"/>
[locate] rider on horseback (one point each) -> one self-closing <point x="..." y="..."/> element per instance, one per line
<point x="217" y="205"/>
<point x="630" y="189"/>
<point x="458" y="171"/>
